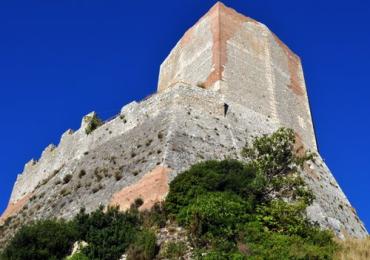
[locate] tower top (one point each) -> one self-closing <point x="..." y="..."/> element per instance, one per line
<point x="245" y="62"/>
<point x="223" y="23"/>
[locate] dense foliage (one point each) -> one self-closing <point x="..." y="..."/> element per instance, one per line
<point x="108" y="234"/>
<point x="46" y="239"/>
<point x="144" y="247"/>
<point x="251" y="210"/>
<point x="230" y="209"/>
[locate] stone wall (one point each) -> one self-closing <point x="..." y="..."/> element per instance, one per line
<point x="228" y="80"/>
<point x="147" y="146"/>
<point x="245" y="62"/>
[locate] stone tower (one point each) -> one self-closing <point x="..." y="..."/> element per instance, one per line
<point x="247" y="64"/>
<point x="228" y="79"/>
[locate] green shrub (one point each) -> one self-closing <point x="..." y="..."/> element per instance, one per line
<point x="282" y="217"/>
<point x="174" y="250"/>
<point x="46" y="239"/>
<point x="264" y="244"/>
<point x="93" y="123"/>
<point x="144" y="246"/>
<point x="214" y="215"/>
<point x="277" y="163"/>
<point x="235" y="210"/>
<point x="213" y="176"/>
<point x="108" y="234"/>
<point x="155" y="218"/>
<point x="78" y="256"/>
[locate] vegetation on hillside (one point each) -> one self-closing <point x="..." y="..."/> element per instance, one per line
<point x="230" y="209"/>
<point x="254" y="210"/>
<point x="45" y="239"/>
<point x="353" y="249"/>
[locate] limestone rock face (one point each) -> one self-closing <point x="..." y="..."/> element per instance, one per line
<point x="227" y="80"/>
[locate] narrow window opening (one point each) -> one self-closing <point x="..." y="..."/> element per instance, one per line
<point x="226" y="108"/>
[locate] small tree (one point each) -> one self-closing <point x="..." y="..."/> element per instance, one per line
<point x="277" y="164"/>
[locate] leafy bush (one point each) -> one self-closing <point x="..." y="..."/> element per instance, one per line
<point x="235" y="210"/>
<point x="265" y="244"/>
<point x="46" y="239"/>
<point x="174" y="250"/>
<point x="215" y="215"/>
<point x="277" y="161"/>
<point x="93" y="123"/>
<point x="279" y="216"/>
<point x="108" y="234"/>
<point x="213" y="176"/>
<point x="155" y="218"/>
<point x="144" y="247"/>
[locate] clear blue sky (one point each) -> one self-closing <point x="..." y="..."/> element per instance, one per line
<point x="60" y="60"/>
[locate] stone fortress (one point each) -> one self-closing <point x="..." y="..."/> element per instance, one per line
<point x="227" y="80"/>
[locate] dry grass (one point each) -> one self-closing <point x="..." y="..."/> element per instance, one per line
<point x="354" y="249"/>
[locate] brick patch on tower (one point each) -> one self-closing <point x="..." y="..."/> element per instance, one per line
<point x="15" y="207"/>
<point x="293" y="66"/>
<point x="151" y="188"/>
<point x="220" y="38"/>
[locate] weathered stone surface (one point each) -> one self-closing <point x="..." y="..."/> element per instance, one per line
<point x="246" y="63"/>
<point x="14" y="207"/>
<point x="137" y="153"/>
<point x="151" y="188"/>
